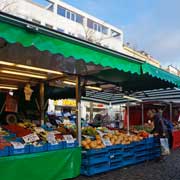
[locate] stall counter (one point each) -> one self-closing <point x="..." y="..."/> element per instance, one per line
<point x="61" y="164"/>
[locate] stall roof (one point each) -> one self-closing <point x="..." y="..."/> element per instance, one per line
<point x="28" y="34"/>
<point x="16" y="30"/>
<point x="51" y="47"/>
<point x="166" y="95"/>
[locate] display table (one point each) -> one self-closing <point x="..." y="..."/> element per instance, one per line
<point x="54" y="165"/>
<point x="176" y="139"/>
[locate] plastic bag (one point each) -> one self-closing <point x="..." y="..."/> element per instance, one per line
<point x="164" y="146"/>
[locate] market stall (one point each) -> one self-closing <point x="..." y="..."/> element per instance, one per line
<point x="36" y="60"/>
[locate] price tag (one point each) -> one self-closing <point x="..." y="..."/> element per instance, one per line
<point x="68" y="138"/>
<point x="17" y="145"/>
<point x="51" y="138"/>
<point x="31" y="138"/>
<point x="106" y="142"/>
<point x="100" y="133"/>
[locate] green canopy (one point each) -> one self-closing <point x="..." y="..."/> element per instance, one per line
<point x="67" y="47"/>
<point x="16" y="30"/>
<point x="160" y="74"/>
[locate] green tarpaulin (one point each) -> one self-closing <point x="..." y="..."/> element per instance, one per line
<point x="160" y="73"/>
<point x="54" y="165"/>
<point x="66" y="47"/>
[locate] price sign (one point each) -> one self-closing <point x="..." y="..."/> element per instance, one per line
<point x="106" y="142"/>
<point x="31" y="138"/>
<point x="17" y="145"/>
<point x="68" y="138"/>
<point x="51" y="138"/>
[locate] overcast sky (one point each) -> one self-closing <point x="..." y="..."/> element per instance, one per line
<point x="150" y="25"/>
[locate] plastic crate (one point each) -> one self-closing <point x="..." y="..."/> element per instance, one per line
<point x="128" y="153"/>
<point x="4" y="152"/>
<point x="142" y="142"/>
<point x="70" y="145"/>
<point x="141" y="153"/>
<point x="96" y="159"/>
<point x="140" y="147"/>
<point x="116" y="165"/>
<point x="150" y="140"/>
<point x="95" y="169"/>
<point x="129" y="160"/>
<point x="141" y="159"/>
<point x="116" y="158"/>
<point x="150" y="145"/>
<point x="13" y="151"/>
<point x="95" y="151"/>
<point x="36" y="149"/>
<point x="54" y="147"/>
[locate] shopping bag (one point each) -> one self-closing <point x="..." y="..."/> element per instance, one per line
<point x="164" y="146"/>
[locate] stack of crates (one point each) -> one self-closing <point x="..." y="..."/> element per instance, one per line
<point x="95" y="161"/>
<point x="117" y="156"/>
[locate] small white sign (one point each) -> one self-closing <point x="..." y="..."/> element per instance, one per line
<point x="31" y="138"/>
<point x="51" y="139"/>
<point x="68" y="138"/>
<point x="17" y="145"/>
<point x="106" y="142"/>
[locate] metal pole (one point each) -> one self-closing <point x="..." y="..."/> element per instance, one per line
<point x="42" y="102"/>
<point x="171" y="113"/>
<point x="142" y="114"/>
<point x="128" y="118"/>
<point x="78" y="109"/>
<point x="91" y="112"/>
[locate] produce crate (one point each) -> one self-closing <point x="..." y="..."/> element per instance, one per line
<point x="141" y="153"/>
<point x="13" y="151"/>
<point x="95" y="151"/>
<point x="95" y="169"/>
<point x="51" y="147"/>
<point x="116" y="165"/>
<point x="129" y="160"/>
<point x="150" y="140"/>
<point x="70" y="145"/>
<point x="141" y="159"/>
<point x="140" y="147"/>
<point x="142" y="142"/>
<point x="4" y="152"/>
<point x="95" y="159"/>
<point x="116" y="158"/>
<point x="36" y="149"/>
<point x="150" y="145"/>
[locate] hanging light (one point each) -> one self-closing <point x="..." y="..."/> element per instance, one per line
<point x="132" y="98"/>
<point x="8" y="87"/>
<point x="23" y="74"/>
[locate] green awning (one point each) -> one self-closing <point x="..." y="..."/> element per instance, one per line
<point x="67" y="47"/>
<point x="160" y="73"/>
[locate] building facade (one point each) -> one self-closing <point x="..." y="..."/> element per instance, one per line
<point x="62" y="17"/>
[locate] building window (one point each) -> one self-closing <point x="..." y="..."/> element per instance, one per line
<point x="61" y="11"/>
<point x="49" y="26"/>
<point x="36" y="21"/>
<point x="104" y="30"/>
<point x="90" y="23"/>
<point x="97" y="27"/>
<point x="70" y="15"/>
<point x="60" y="30"/>
<point x="79" y="19"/>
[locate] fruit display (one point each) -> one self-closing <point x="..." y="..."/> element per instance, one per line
<point x="93" y="144"/>
<point x="94" y="137"/>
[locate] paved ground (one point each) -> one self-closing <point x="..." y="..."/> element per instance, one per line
<point x="168" y="169"/>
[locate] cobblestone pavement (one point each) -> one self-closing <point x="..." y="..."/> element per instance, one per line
<point x="166" y="169"/>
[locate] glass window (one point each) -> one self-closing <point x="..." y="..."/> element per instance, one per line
<point x="61" y="11"/>
<point x="79" y="18"/>
<point x="72" y="16"/>
<point x="99" y="27"/>
<point x="95" y="26"/>
<point x="104" y="30"/>
<point x="68" y="14"/>
<point x="90" y="23"/>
